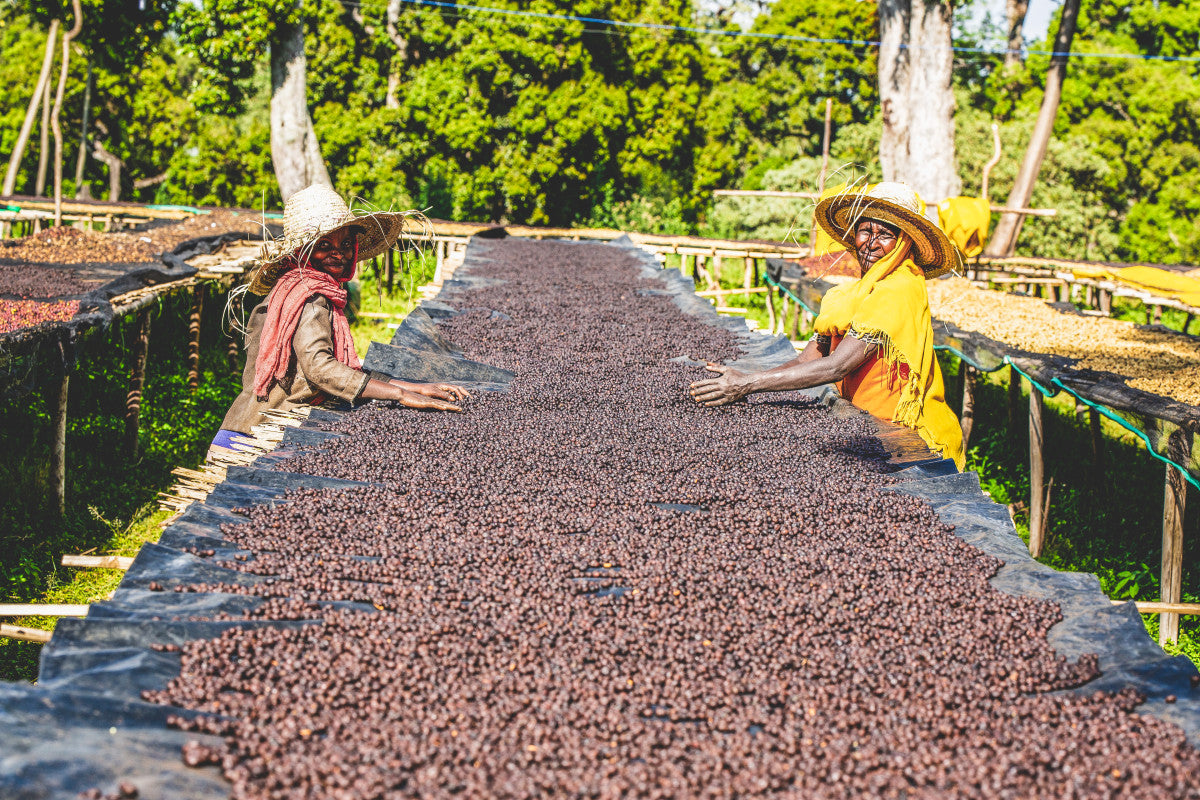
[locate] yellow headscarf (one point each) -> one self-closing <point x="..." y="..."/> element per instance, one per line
<point x="889" y="304"/>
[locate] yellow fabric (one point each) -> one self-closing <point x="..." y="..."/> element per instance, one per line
<point x="1162" y="282"/>
<point x="966" y="220"/>
<point x="889" y="304"/>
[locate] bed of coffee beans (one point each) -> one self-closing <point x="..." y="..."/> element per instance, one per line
<point x="18" y="314"/>
<point x="591" y="586"/>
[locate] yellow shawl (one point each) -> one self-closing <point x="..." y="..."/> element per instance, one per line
<point x="889" y="305"/>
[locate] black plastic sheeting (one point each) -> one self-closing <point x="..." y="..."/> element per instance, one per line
<point x="84" y="726"/>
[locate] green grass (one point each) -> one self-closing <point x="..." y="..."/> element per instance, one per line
<point x="410" y="274"/>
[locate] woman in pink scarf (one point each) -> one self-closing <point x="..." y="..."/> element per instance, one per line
<point x="298" y="345"/>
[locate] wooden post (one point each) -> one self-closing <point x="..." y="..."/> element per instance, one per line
<point x="57" y="398"/>
<point x="1187" y="322"/>
<point x="440" y="255"/>
<point x="194" y="339"/>
<point x="1106" y="302"/>
<point x="967" y="418"/>
<point x="137" y="380"/>
<point x="795" y="330"/>
<point x="771" y="306"/>
<point x="1014" y="397"/>
<point x="714" y="278"/>
<point x="389" y="268"/>
<point x="1155" y="315"/>
<point x="750" y="275"/>
<point x="1037" y="474"/>
<point x="1179" y="450"/>
<point x="1097" y="436"/>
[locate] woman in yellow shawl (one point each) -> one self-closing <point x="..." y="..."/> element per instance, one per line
<point x="874" y="336"/>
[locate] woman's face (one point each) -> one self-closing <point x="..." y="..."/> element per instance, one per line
<point x="873" y="240"/>
<point x="334" y="253"/>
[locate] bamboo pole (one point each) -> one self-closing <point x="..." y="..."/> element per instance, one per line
<point x="1163" y="608"/>
<point x="1037" y="474"/>
<point x="194" y="338"/>
<point x="137" y="381"/>
<point x="1179" y="448"/>
<point x="98" y="562"/>
<point x="42" y="610"/>
<point x="23" y="634"/>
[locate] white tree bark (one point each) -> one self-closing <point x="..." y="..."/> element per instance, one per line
<point x="56" y="116"/>
<point x="14" y="161"/>
<point x="392" y="100"/>
<point x="295" y="152"/>
<point x="1015" y="11"/>
<point x="915" y="67"/>
<point x="39" y="186"/>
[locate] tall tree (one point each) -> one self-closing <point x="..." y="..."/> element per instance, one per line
<point x="916" y="65"/>
<point x="1015" y="11"/>
<point x="229" y="37"/>
<point x="1004" y="239"/>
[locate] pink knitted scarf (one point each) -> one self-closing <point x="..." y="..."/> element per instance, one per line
<point x="285" y="304"/>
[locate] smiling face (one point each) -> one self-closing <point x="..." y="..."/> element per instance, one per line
<point x="334" y="253"/>
<point x="873" y="240"/>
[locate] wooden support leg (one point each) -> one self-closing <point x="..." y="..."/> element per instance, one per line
<point x="784" y="309"/>
<point x="1037" y="474"/>
<point x="1179" y="451"/>
<point x="389" y="268"/>
<point x="748" y="277"/>
<point x="1105" y="303"/>
<point x="194" y="339"/>
<point x="967" y="418"/>
<point x="58" y="443"/>
<point x="714" y="278"/>
<point x="233" y="353"/>
<point x="440" y="254"/>
<point x="1155" y="315"/>
<point x="1014" y="398"/>
<point x="1187" y="322"/>
<point x="770" y="307"/>
<point x="137" y="380"/>
<point x="1097" y="436"/>
<point x="795" y="329"/>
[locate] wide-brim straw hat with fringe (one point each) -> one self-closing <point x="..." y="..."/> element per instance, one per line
<point x="318" y="211"/>
<point x="895" y="204"/>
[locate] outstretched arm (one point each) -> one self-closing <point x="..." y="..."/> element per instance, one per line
<point x="799" y="373"/>
<point x="442" y="391"/>
<point x="380" y="390"/>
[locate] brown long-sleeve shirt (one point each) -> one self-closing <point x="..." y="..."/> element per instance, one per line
<point x="313" y="370"/>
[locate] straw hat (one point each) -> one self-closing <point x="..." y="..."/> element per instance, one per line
<point x="898" y="205"/>
<point x="318" y="211"/>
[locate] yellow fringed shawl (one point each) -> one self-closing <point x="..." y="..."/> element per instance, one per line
<point x="889" y="305"/>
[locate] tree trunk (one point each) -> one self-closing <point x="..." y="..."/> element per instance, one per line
<point x="114" y="165"/>
<point x="295" y="152"/>
<point x="55" y="118"/>
<point x="83" y="191"/>
<point x="1004" y="240"/>
<point x="39" y="186"/>
<point x="14" y="161"/>
<point x="392" y="99"/>
<point x="1016" y="32"/>
<point x="915" y="67"/>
